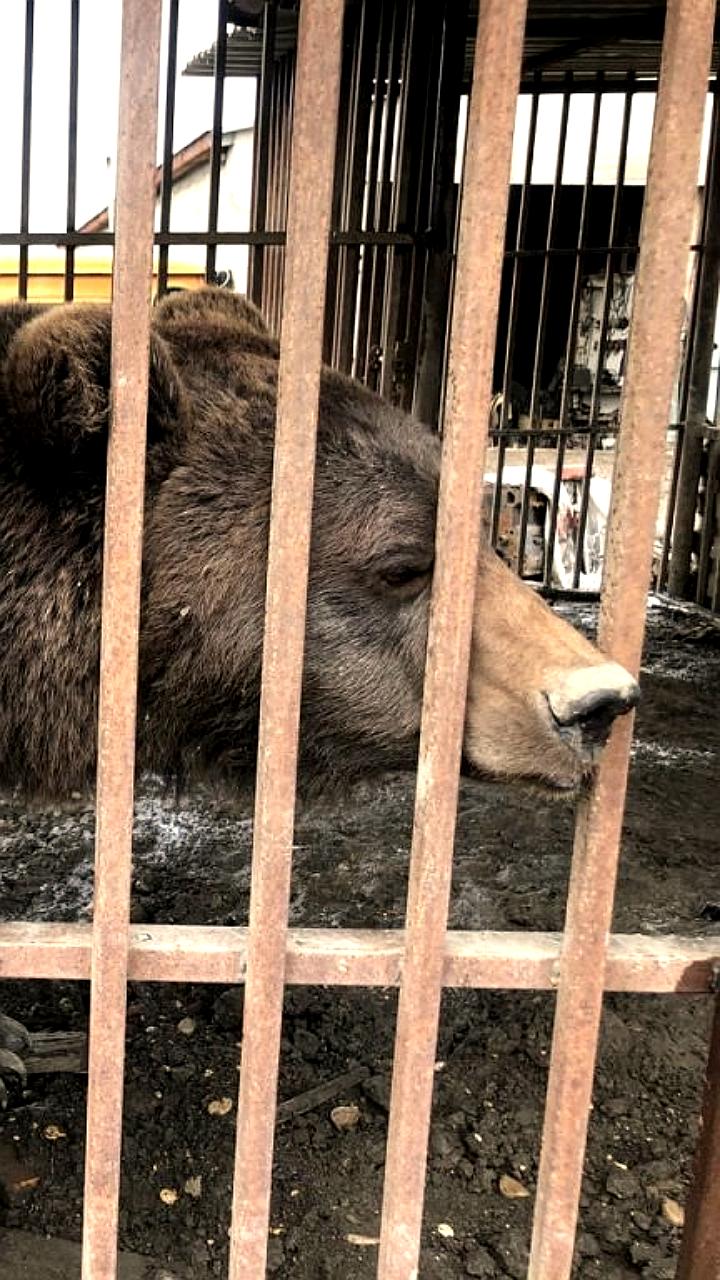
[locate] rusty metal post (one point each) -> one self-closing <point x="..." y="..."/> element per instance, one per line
<point x="312" y="163"/>
<point x="653" y="357"/>
<point x="700" y="1250"/>
<point x="492" y="113"/>
<point x="132" y="281"/>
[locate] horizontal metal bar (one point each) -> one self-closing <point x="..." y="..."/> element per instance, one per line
<point x="397" y="239"/>
<point x="541" y="429"/>
<point x="552" y="82"/>
<point x="498" y="960"/>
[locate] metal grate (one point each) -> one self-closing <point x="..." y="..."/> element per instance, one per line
<point x="585" y="961"/>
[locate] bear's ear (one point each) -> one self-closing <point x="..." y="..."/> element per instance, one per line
<point x="208" y="304"/>
<point x="56" y="380"/>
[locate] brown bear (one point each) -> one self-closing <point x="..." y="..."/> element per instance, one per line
<point x="541" y="698"/>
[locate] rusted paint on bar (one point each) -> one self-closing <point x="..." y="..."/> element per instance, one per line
<point x="499" y="960"/>
<point x="132" y="278"/>
<point x="487" y="170"/>
<point x="700" y="1251"/>
<point x="313" y="156"/>
<point x="653" y="356"/>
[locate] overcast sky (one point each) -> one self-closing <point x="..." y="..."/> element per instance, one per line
<point x="98" y="88"/>
<point x="99" y="58"/>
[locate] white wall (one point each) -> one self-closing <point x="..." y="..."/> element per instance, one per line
<point x="190" y="201"/>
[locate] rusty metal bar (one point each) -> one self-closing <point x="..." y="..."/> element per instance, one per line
<point x="490" y="129"/>
<point x="514" y="306"/>
<point x="72" y="145"/>
<point x="217" y="134"/>
<point x="310" y="197"/>
<point x="571" y="343"/>
<point x="609" y="276"/>
<point x="543" y="307"/>
<point x="132" y="280"/>
<point x="261" y="150"/>
<point x="653" y="355"/>
<point x="693" y="407"/>
<point x="709" y="531"/>
<point x="700" y="1249"/>
<point x="26" y="144"/>
<point x="497" y="960"/>
<point x="168" y="143"/>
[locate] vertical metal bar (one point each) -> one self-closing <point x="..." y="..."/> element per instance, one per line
<point x="396" y="261"/>
<point x="168" y="145"/>
<point x="374" y="355"/>
<point x="346" y="110"/>
<point x="553" y="215"/>
<point x="715" y="601"/>
<point x="517" y="268"/>
<point x="273" y="185"/>
<point x="700" y="1248"/>
<point x="286" y="136"/>
<point x="26" y="142"/>
<point x="216" y="153"/>
<point x="709" y="522"/>
<point x="72" y="146"/>
<point x="607" y="299"/>
<point x="499" y="43"/>
<point x="572" y="331"/>
<point x="364" y="291"/>
<point x="347" y="144"/>
<point x="693" y="406"/>
<point x="357" y="161"/>
<point x="434" y="209"/>
<point x="670" y="517"/>
<point x="313" y="157"/>
<point x="652" y="365"/>
<point x="132" y="280"/>
<point x="261" y="154"/>
<point x="431" y="268"/>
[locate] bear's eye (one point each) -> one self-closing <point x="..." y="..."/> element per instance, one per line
<point x="407" y="578"/>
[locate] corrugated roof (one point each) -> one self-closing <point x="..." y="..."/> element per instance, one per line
<point x="614" y="36"/>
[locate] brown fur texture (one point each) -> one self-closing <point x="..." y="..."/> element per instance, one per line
<point x="210" y="441"/>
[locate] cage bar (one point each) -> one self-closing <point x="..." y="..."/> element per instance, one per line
<point x="261" y="150"/>
<point x="168" y="142"/>
<point x="604" y="323"/>
<point x="542" y="325"/>
<point x="69" y="288"/>
<point x="517" y="260"/>
<point x="497" y="960"/>
<point x="667" y="233"/>
<point x="26" y="142"/>
<point x="492" y="110"/>
<point x="572" y="332"/>
<point x="313" y="157"/>
<point x="680" y="534"/>
<point x="700" y="1249"/>
<point x="132" y="279"/>
<point x="217" y="130"/>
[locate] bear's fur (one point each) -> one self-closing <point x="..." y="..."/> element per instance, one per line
<point x="211" y="414"/>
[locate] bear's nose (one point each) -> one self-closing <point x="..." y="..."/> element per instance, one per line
<point x="587" y="701"/>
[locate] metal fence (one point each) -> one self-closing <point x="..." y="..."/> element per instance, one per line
<point x="424" y="958"/>
<point x="566" y="288"/>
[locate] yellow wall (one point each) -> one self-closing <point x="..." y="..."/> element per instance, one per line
<point x="92" y="279"/>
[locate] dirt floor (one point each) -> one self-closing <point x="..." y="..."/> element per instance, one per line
<point x="191" y="865"/>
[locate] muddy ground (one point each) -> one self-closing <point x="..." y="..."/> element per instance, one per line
<point x="191" y="866"/>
